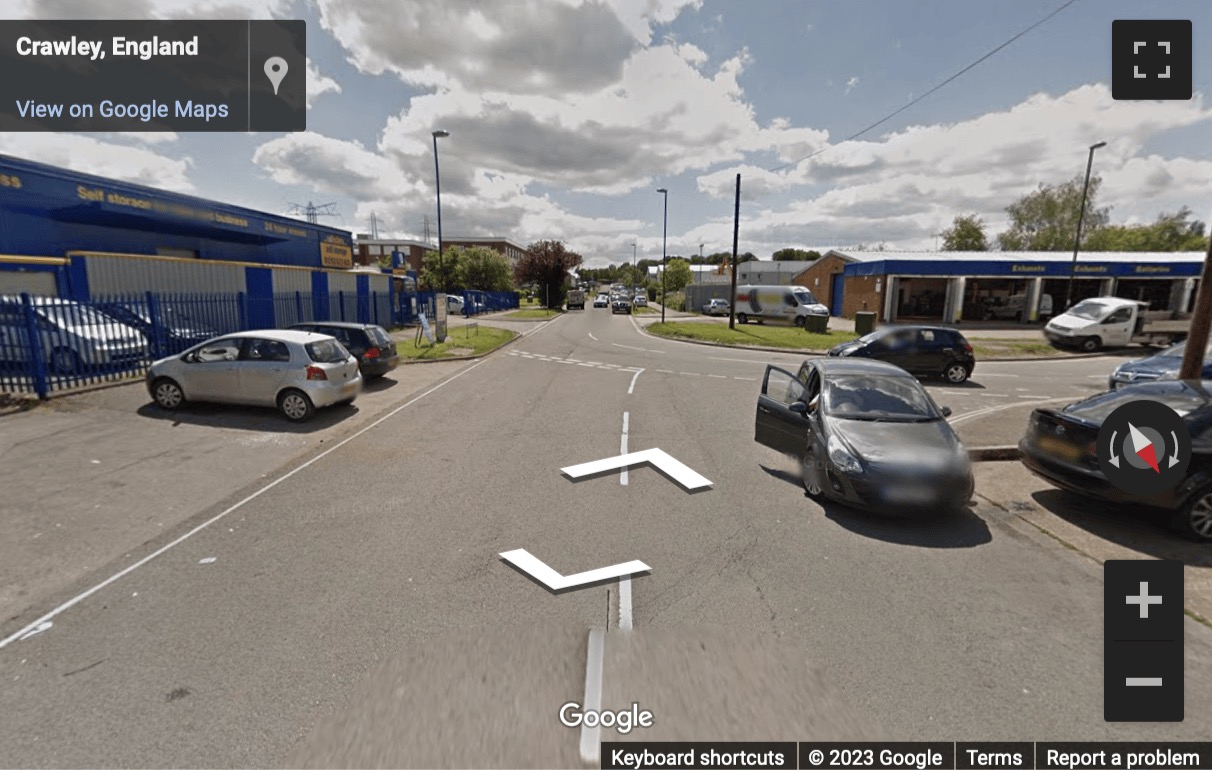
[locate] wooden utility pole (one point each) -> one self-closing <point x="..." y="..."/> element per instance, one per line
<point x="1201" y="323"/>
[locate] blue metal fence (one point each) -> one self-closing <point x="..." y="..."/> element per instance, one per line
<point x="49" y="344"/>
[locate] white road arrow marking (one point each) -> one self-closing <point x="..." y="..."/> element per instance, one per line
<point x="523" y="560"/>
<point x="675" y="469"/>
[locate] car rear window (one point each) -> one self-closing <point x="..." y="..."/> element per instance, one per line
<point x="379" y="336"/>
<point x="327" y="352"/>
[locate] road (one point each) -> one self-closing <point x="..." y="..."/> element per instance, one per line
<point x="352" y="609"/>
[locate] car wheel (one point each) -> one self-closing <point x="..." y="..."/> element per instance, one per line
<point x="811" y="479"/>
<point x="295" y="405"/>
<point x="1195" y="519"/>
<point x="799" y="321"/>
<point x="1090" y="344"/>
<point x="956" y="373"/>
<point x="65" y="361"/>
<point x="167" y="394"/>
<point x="742" y="318"/>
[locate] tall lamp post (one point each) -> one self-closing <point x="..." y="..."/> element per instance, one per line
<point x="1081" y="214"/>
<point x="664" y="253"/>
<point x="635" y="275"/>
<point x="439" y="134"/>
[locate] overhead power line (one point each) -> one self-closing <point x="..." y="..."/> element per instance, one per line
<point x="912" y="102"/>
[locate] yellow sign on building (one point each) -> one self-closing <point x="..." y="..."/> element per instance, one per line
<point x="335" y="252"/>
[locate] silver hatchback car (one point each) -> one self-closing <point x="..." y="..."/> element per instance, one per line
<point x="298" y="372"/>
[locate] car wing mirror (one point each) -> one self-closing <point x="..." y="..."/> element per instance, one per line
<point x="799" y="407"/>
<point x="946" y="410"/>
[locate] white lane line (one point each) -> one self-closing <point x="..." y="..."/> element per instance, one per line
<point x="164" y="549"/>
<point x="584" y="363"/>
<point x="747" y="379"/>
<point x="595" y="339"/>
<point x="664" y="371"/>
<point x="625" y="603"/>
<point x="631" y="347"/>
<point x="631" y="387"/>
<point x="691" y="374"/>
<point x="590" y="747"/>
<point x="991" y="409"/>
<point x="717" y="376"/>
<point x="623" y="449"/>
<point x="754" y="361"/>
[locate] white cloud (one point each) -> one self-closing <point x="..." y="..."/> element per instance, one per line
<point x="139" y="165"/>
<point x="318" y="83"/>
<point x="851" y="83"/>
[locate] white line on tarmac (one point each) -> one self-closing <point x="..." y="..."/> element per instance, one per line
<point x="991" y="409"/>
<point x="748" y="379"/>
<point x="625" y="603"/>
<point x="664" y="371"/>
<point x="595" y="339"/>
<point x="164" y="549"/>
<point x="632" y="347"/>
<point x="691" y="374"/>
<point x="590" y="748"/>
<point x="718" y="376"/>
<point x="623" y="449"/>
<point x="631" y="387"/>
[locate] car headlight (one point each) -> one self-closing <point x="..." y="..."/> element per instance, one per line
<point x="1170" y="375"/>
<point x="841" y="457"/>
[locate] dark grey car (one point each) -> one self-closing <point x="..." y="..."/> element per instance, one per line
<point x="867" y="434"/>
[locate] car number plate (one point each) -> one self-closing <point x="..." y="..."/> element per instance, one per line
<point x="1060" y="448"/>
<point x="908" y="494"/>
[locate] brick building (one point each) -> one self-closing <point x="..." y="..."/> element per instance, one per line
<point x="511" y="250"/>
<point x="378" y="251"/>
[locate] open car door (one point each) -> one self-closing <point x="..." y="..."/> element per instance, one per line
<point x="778" y="424"/>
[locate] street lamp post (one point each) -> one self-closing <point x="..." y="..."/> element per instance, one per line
<point x="1077" y="240"/>
<point x="664" y="252"/>
<point x="700" y="270"/>
<point x="438" y="185"/>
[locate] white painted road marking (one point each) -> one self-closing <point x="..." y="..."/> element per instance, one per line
<point x="625" y="603"/>
<point x="523" y="560"/>
<point x="590" y="746"/>
<point x="623" y="449"/>
<point x="991" y="409"/>
<point x="164" y="549"/>
<point x="663" y="461"/>
<point x="631" y="388"/>
<point x="595" y="339"/>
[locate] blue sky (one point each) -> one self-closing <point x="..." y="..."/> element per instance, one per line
<point x="565" y="116"/>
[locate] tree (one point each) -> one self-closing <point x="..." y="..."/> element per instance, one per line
<point x="1046" y="220"/>
<point x="967" y="233"/>
<point x="677" y="275"/>
<point x="548" y="264"/>
<point x="795" y="255"/>
<point x="483" y="269"/>
<point x="441" y="275"/>
<point x="1170" y="232"/>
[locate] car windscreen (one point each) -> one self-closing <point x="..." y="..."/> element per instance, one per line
<point x="77" y="316"/>
<point x="891" y="398"/>
<point x="379" y="336"/>
<point x="1089" y="309"/>
<point x="804" y="297"/>
<point x="1179" y="396"/>
<point x="1179" y="350"/>
<point x="327" y="352"/>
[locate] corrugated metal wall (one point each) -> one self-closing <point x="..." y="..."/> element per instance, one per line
<point x="122" y="274"/>
<point x="291" y="280"/>
<point x="32" y="281"/>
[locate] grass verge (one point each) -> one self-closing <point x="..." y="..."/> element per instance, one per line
<point x="460" y="341"/>
<point x="750" y="334"/>
<point x="532" y="313"/>
<point x="995" y="348"/>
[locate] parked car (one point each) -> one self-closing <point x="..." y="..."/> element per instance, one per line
<point x="179" y="330"/>
<point x="370" y="344"/>
<point x="867" y="434"/>
<point x="641" y="300"/>
<point x="298" y="372"/>
<point x="601" y="300"/>
<point x="454" y="304"/>
<point x="926" y="351"/>
<point x="620" y="305"/>
<point x="74" y="337"/>
<point x="1163" y="365"/>
<point x="1060" y="446"/>
<point x="716" y="307"/>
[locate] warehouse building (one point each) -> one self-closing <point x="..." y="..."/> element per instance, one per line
<point x="951" y="287"/>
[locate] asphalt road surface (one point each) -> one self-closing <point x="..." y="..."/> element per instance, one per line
<point x="354" y="610"/>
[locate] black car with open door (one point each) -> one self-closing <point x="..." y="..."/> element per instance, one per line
<point x="867" y="434"/>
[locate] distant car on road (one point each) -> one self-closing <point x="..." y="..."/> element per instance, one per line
<point x="601" y="300"/>
<point x="576" y="299"/>
<point x="641" y="300"/>
<point x="867" y="434"/>
<point x="454" y="304"/>
<point x="620" y="305"/>
<point x="1160" y="366"/>
<point x="370" y="344"/>
<point x="716" y="307"/>
<point x="298" y="372"/>
<point x="1060" y="446"/>
<point x="925" y="351"/>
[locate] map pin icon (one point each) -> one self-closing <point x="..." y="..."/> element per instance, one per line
<point x="275" y="70"/>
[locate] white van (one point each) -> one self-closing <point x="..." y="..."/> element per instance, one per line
<point x="778" y="303"/>
<point x="1112" y="322"/>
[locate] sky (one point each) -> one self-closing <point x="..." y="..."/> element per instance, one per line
<point x="565" y="117"/>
